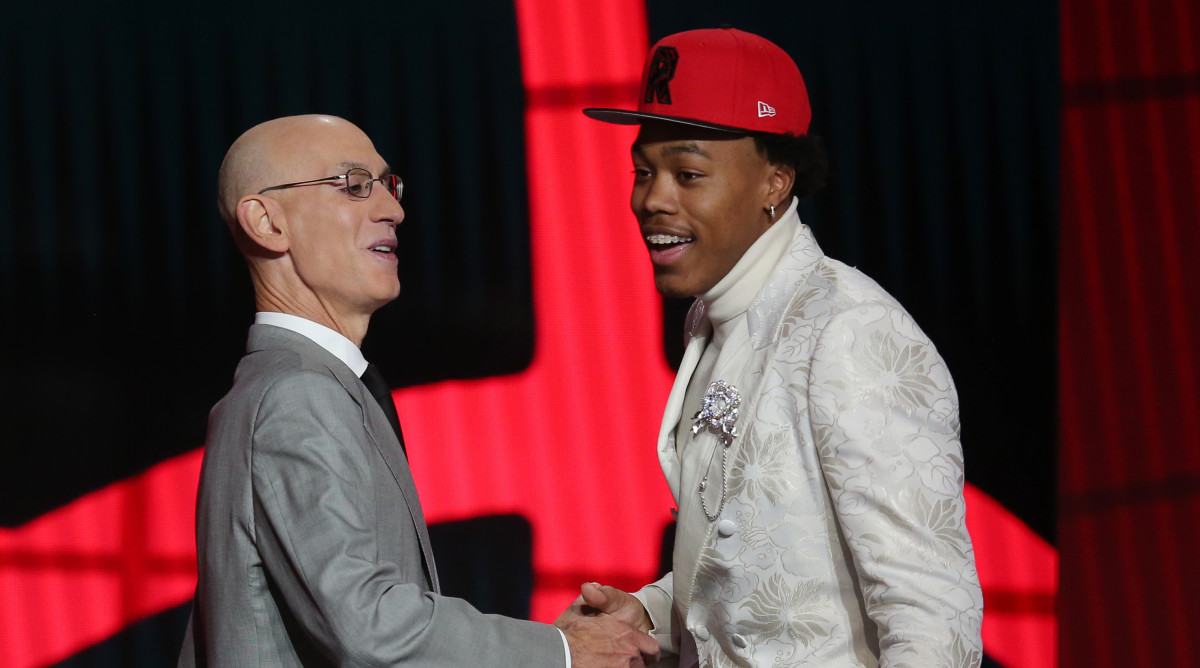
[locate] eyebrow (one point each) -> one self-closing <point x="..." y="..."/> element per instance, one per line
<point x="690" y="148"/>
<point x="347" y="165"/>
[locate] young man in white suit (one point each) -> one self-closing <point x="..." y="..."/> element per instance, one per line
<point x="311" y="542"/>
<point x="811" y="438"/>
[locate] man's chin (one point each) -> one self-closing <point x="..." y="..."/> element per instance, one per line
<point x="668" y="287"/>
<point x="385" y="297"/>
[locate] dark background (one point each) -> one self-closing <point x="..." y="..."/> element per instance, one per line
<point x="126" y="305"/>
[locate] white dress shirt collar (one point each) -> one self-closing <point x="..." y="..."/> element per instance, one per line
<point x="333" y="342"/>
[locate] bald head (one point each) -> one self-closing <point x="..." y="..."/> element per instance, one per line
<point x="267" y="154"/>
<point x="314" y="249"/>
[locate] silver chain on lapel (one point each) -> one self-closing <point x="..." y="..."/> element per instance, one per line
<point x="718" y="414"/>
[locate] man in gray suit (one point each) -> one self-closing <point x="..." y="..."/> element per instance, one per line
<point x="312" y="546"/>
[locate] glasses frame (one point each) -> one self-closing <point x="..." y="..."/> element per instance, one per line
<point x="371" y="179"/>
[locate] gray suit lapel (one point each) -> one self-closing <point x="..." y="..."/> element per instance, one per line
<point x="263" y="337"/>
<point x="380" y="431"/>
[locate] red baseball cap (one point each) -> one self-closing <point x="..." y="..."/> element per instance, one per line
<point x="722" y="78"/>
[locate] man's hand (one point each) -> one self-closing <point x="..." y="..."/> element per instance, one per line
<point x="607" y="627"/>
<point x="602" y="599"/>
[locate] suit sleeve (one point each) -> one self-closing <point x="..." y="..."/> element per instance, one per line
<point x="316" y="531"/>
<point x="884" y="415"/>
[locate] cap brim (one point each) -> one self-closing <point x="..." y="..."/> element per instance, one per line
<point x="628" y="117"/>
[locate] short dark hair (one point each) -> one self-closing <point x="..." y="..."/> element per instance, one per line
<point x="805" y="154"/>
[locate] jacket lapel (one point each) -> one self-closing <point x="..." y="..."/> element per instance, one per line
<point x="388" y="446"/>
<point x="376" y="423"/>
<point x="771" y="303"/>
<point x="698" y="331"/>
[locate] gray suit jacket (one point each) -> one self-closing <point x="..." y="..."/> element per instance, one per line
<point x="311" y="543"/>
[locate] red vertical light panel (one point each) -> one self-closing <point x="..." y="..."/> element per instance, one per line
<point x="568" y="443"/>
<point x="1129" y="463"/>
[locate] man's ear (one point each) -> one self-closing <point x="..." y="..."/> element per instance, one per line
<point x="263" y="222"/>
<point x="781" y="180"/>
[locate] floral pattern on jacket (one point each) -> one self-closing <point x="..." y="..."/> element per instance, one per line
<point x="850" y="545"/>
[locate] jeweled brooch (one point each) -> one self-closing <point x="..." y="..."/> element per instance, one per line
<point x="719" y="411"/>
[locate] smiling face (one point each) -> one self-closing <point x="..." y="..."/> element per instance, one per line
<point x="341" y="248"/>
<point x="700" y="197"/>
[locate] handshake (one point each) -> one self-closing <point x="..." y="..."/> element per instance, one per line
<point x="607" y="627"/>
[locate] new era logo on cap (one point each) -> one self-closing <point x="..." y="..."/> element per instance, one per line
<point x="765" y="109"/>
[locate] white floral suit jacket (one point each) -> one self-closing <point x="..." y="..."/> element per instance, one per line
<point x="846" y="544"/>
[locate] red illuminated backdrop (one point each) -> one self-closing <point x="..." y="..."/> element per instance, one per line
<point x="1129" y="332"/>
<point x="567" y="443"/>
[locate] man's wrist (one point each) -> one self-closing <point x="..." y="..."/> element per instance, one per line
<point x="566" y="646"/>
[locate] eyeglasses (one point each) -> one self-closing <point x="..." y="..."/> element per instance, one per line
<point x="358" y="183"/>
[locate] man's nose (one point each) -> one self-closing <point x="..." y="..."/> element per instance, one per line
<point x="658" y="196"/>
<point x="385" y="207"/>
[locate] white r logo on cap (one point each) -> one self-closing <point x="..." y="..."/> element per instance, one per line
<point x="765" y="109"/>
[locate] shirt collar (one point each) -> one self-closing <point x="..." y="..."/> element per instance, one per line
<point x="333" y="342"/>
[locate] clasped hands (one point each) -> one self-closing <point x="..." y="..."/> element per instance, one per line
<point x="607" y="627"/>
